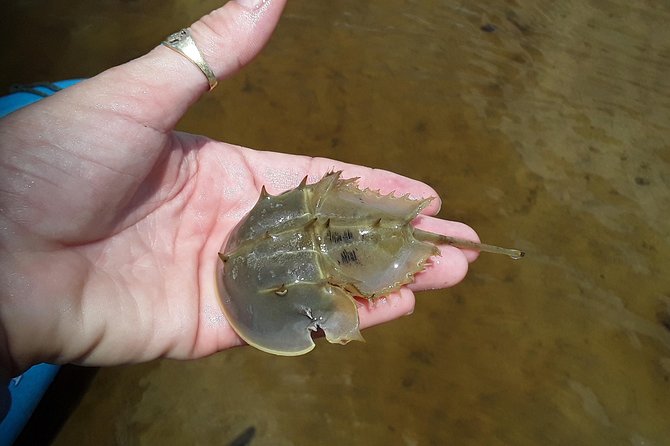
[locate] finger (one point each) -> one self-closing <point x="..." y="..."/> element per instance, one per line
<point x="451" y="228"/>
<point x="228" y="38"/>
<point x="156" y="89"/>
<point x="279" y="172"/>
<point x="370" y="313"/>
<point x="115" y="126"/>
<point x="451" y="266"/>
<point x="387" y="308"/>
<point x="384" y="181"/>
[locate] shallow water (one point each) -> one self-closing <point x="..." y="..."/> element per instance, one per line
<point x="544" y="125"/>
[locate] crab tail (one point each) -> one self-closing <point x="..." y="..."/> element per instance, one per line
<point x="440" y="239"/>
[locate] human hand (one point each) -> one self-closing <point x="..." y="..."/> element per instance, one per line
<point x="111" y="221"/>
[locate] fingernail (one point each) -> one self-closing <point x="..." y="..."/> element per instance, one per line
<point x="252" y="4"/>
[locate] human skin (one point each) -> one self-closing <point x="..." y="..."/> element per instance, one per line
<point x="111" y="221"/>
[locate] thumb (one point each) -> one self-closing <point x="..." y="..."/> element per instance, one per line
<point x="157" y="88"/>
<point x="115" y="126"/>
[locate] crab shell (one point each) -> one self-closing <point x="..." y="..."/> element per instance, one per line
<point x="294" y="263"/>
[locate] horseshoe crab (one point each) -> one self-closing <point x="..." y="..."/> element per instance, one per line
<point x="294" y="263"/>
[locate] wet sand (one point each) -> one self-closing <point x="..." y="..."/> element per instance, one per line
<point x="543" y="125"/>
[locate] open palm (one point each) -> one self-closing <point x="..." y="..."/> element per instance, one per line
<point x="111" y="221"/>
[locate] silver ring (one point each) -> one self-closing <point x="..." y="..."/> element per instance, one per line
<point x="183" y="43"/>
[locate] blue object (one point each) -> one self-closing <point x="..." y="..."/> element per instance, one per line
<point x="22" y="95"/>
<point x="25" y="391"/>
